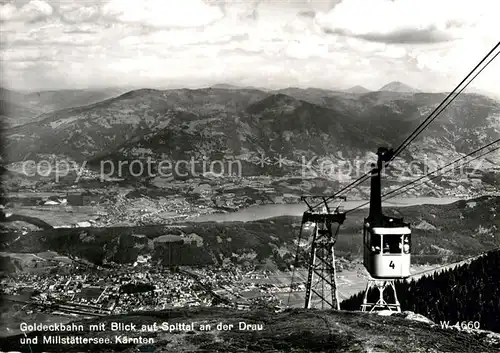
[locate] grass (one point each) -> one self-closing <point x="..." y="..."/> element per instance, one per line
<point x="289" y="331"/>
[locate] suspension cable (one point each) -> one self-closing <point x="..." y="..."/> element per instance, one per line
<point x="435" y="171"/>
<point x="360" y="180"/>
<point x="434" y="114"/>
<point x="296" y="262"/>
<point x="436" y="176"/>
<point x="436" y="111"/>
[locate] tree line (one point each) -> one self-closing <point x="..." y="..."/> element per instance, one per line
<point x="469" y="292"/>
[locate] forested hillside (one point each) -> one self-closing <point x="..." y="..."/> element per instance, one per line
<point x="469" y="292"/>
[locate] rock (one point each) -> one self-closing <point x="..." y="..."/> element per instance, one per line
<point x="424" y="225"/>
<point x="83" y="224"/>
<point x="410" y="315"/>
<point x="385" y="312"/>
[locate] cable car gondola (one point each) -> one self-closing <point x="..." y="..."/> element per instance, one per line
<point x="387" y="240"/>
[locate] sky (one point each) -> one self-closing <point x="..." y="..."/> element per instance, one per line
<point x="335" y="44"/>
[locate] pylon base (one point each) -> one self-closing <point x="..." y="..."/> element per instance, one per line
<point x="381" y="304"/>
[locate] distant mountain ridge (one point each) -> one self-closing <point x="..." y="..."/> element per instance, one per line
<point x="21" y="108"/>
<point x="229" y="86"/>
<point x="358" y="89"/>
<point x="244" y="123"/>
<point x="399" y="87"/>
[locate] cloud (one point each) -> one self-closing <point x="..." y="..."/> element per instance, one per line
<point x="76" y="13"/>
<point x="307" y="14"/>
<point x="406" y="21"/>
<point x="400" y="36"/>
<point x="240" y="10"/>
<point x="35" y="10"/>
<point x="155" y="13"/>
<point x="160" y="13"/>
<point x="153" y="43"/>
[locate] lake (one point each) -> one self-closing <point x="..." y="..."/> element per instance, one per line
<point x="258" y="212"/>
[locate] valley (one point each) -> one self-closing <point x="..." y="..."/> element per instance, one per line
<point x="260" y="250"/>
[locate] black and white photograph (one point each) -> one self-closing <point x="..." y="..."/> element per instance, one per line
<point x="250" y="176"/>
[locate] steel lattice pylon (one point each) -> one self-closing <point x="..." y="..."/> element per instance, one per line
<point x="321" y="285"/>
<point x="322" y="267"/>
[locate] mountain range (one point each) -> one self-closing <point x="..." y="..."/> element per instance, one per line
<point x="244" y="123"/>
<point x="19" y="108"/>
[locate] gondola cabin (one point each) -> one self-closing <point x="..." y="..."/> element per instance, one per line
<point x="387" y="240"/>
<point x="387" y="251"/>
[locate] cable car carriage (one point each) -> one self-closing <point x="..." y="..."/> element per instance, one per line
<point x="387" y="248"/>
<point x="386" y="240"/>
